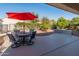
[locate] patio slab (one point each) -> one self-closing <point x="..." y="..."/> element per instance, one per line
<point x="43" y="45"/>
<point x="69" y="50"/>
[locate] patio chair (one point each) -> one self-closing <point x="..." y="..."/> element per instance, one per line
<point x="14" y="41"/>
<point x="32" y="36"/>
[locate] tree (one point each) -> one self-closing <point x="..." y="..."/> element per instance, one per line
<point x="45" y="24"/>
<point x="53" y="24"/>
<point x="21" y="25"/>
<point x="62" y="23"/>
<point x="34" y="24"/>
<point x="75" y="21"/>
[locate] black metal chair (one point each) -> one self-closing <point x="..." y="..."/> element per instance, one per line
<point x="11" y="37"/>
<point x="32" y="36"/>
<point x="14" y="41"/>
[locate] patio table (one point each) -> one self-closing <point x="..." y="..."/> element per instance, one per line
<point x="23" y="37"/>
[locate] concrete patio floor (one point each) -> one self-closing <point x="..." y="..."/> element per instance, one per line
<point x="52" y="45"/>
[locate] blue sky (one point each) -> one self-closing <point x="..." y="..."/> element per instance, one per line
<point x="43" y="10"/>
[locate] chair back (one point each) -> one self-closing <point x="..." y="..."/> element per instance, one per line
<point x="33" y="35"/>
<point x="11" y="37"/>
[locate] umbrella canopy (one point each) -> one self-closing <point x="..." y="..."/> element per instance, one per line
<point x="21" y="16"/>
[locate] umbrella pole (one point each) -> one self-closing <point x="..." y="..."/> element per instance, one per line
<point x="24" y="26"/>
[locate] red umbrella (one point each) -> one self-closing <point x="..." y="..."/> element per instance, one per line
<point x="21" y="16"/>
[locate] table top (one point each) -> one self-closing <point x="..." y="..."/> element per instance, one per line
<point x="23" y="34"/>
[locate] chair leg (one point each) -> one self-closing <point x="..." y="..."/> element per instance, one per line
<point x="15" y="44"/>
<point x="35" y="38"/>
<point x="31" y="43"/>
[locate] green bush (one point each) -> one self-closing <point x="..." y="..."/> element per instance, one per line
<point x="62" y="23"/>
<point x="45" y="24"/>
